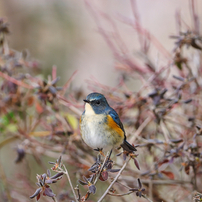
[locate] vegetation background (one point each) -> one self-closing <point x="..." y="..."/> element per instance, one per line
<point x="122" y="49"/>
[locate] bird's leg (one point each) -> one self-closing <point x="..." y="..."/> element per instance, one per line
<point x="110" y="153"/>
<point x="100" y="151"/>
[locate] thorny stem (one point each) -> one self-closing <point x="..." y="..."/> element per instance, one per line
<point x="115" y="179"/>
<point x="70" y="182"/>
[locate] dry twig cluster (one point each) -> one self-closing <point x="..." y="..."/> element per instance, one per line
<point x="163" y="118"/>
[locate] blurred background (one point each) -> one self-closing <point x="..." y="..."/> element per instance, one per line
<point x="64" y="33"/>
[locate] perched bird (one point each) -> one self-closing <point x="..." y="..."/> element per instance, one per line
<point x="100" y="125"/>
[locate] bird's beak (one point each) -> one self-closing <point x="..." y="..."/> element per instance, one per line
<point x="87" y="101"/>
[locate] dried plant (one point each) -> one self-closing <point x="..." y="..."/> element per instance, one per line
<point x="162" y="118"/>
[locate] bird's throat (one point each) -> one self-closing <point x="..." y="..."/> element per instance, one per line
<point x="89" y="110"/>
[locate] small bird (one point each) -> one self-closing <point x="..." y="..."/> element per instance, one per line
<point x="100" y="125"/>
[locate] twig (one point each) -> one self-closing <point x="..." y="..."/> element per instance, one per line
<point x="71" y="107"/>
<point x="140" y="129"/>
<point x="4" y="182"/>
<point x="8" y="140"/>
<point x="195" y="17"/>
<point x="115" y="179"/>
<point x="127" y="193"/>
<point x="113" y="46"/>
<point x="127" y="187"/>
<point x="54" y="72"/>
<point x="78" y="192"/>
<point x="99" y="172"/>
<point x="64" y="88"/>
<point x="17" y="82"/>
<point x="55" y="199"/>
<point x="147" y="34"/>
<point x="164" y="182"/>
<point x="70" y="182"/>
<point x="151" y="189"/>
<point x="137" y="22"/>
<point x="103" y="164"/>
<point x="165" y="131"/>
<point x="147" y="198"/>
<point x="124" y="194"/>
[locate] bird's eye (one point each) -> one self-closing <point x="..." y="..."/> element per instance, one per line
<point x="97" y="102"/>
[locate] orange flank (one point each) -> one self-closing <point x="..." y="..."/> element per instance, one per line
<point x="114" y="126"/>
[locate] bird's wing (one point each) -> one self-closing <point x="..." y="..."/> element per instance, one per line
<point x="125" y="145"/>
<point x="115" y="117"/>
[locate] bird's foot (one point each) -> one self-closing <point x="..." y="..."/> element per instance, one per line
<point x="100" y="151"/>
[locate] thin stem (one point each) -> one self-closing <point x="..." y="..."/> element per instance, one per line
<point x="5" y="183"/>
<point x="140" y="129"/>
<point x="98" y="175"/>
<point x="55" y="199"/>
<point x="101" y="168"/>
<point x="15" y="81"/>
<point x="147" y="198"/>
<point x="165" y="131"/>
<point x="127" y="187"/>
<point x="78" y="192"/>
<point x="127" y="193"/>
<point x="151" y="189"/>
<point x="194" y="178"/>
<point x="124" y="194"/>
<point x="115" y="179"/>
<point x="70" y="182"/>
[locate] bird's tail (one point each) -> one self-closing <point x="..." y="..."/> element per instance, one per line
<point x="128" y="147"/>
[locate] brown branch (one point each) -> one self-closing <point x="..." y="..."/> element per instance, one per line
<point x="17" y="82"/>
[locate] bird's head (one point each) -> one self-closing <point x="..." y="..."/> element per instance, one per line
<point x="96" y="103"/>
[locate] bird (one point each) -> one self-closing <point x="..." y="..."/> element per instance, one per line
<point x="101" y="127"/>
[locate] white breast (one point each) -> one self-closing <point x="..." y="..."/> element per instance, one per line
<point x="92" y="131"/>
<point x="89" y="110"/>
<point x="95" y="132"/>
